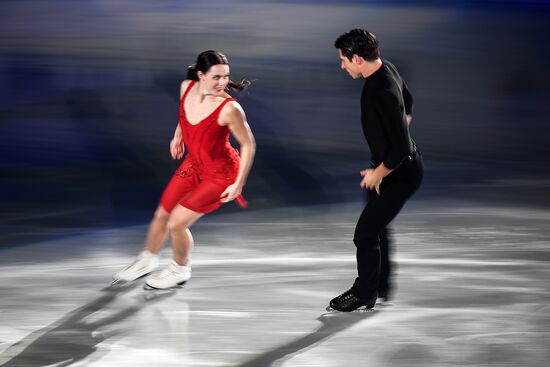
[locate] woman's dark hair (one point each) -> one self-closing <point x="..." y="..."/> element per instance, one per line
<point x="358" y="42"/>
<point x="206" y="60"/>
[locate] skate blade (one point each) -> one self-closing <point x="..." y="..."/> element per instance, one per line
<point x="122" y="282"/>
<point x="119" y="286"/>
<point x="384" y="303"/>
<point x="147" y="287"/>
<point x="117" y="282"/>
<point x="362" y="309"/>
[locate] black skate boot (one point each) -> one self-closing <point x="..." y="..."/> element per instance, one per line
<point x="347" y="302"/>
<point x="384" y="298"/>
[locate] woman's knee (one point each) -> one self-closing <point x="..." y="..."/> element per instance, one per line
<point x="178" y="224"/>
<point x="182" y="219"/>
<point x="161" y="215"/>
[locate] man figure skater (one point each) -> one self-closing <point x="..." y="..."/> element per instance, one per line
<point x="395" y="171"/>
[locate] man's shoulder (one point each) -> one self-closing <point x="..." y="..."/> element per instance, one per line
<point x="389" y="64"/>
<point x="392" y="80"/>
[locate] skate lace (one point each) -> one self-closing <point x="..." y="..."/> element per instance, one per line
<point x="171" y="270"/>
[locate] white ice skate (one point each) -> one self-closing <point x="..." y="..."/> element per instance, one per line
<point x="170" y="277"/>
<point x="144" y="264"/>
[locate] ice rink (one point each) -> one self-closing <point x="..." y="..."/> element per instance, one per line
<point x="472" y="285"/>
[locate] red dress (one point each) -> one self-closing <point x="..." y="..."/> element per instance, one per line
<point x="210" y="165"/>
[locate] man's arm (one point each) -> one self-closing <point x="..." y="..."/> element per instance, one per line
<point x="409" y="102"/>
<point x="390" y="111"/>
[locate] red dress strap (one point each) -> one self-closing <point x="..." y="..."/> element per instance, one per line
<point x="182" y="116"/>
<point x="216" y="112"/>
<point x="191" y="84"/>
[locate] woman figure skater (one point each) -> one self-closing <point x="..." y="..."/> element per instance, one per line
<point x="211" y="174"/>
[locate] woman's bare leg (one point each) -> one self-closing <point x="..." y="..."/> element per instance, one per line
<point x="182" y="241"/>
<point x="146" y="262"/>
<point x="158" y="231"/>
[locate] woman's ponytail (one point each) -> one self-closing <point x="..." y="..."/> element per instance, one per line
<point x="192" y="73"/>
<point x="240" y="86"/>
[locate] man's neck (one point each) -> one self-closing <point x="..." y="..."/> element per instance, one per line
<point x="370" y="67"/>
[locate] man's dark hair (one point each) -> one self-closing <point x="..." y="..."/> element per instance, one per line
<point x="358" y="42"/>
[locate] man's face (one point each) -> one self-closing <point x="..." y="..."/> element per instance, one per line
<point x="350" y="66"/>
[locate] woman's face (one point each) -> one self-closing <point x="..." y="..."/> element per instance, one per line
<point x="215" y="80"/>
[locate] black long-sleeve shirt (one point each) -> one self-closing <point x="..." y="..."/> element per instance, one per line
<point x="385" y="102"/>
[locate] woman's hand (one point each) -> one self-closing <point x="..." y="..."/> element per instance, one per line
<point x="176" y="148"/>
<point x="231" y="192"/>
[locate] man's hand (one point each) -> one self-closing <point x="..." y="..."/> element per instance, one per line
<point x="370" y="180"/>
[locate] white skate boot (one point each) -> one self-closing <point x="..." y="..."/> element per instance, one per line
<point x="173" y="276"/>
<point x="145" y="263"/>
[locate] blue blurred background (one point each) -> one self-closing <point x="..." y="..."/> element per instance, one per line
<point x="89" y="100"/>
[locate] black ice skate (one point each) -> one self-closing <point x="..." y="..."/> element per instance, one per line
<point x="384" y="299"/>
<point x="347" y="302"/>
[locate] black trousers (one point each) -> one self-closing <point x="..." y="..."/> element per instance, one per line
<point x="372" y="235"/>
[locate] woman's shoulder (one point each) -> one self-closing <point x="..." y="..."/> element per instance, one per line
<point x="184" y="85"/>
<point x="186" y="82"/>
<point x="232" y="106"/>
<point x="231" y="111"/>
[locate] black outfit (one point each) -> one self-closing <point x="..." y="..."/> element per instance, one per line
<point x="385" y="102"/>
